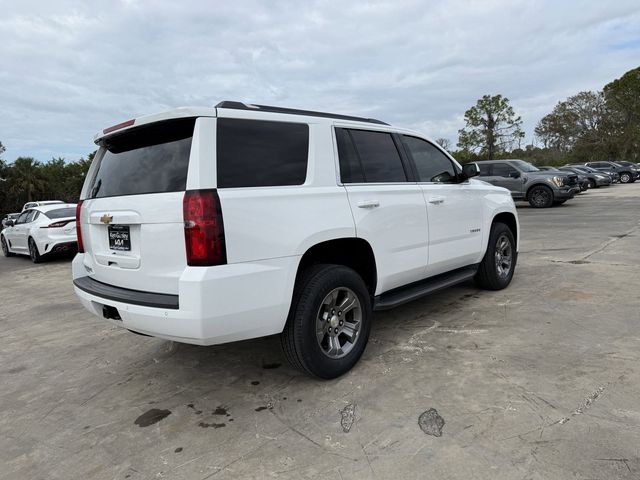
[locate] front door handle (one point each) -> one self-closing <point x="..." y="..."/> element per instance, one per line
<point x="436" y="200"/>
<point x="368" y="204"/>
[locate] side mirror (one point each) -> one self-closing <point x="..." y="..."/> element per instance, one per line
<point x="515" y="174"/>
<point x="9" y="223"/>
<point x="470" y="170"/>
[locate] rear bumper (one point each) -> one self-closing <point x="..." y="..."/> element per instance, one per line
<point x="214" y="304"/>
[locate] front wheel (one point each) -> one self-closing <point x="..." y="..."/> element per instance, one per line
<point x="592" y="184"/>
<point x="329" y="322"/>
<point x="625" y="177"/>
<point x="540" y="196"/>
<point x="499" y="262"/>
<point x="33" y="252"/>
<point x="5" y="247"/>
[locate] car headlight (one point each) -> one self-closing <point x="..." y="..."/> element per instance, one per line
<point x="559" y="181"/>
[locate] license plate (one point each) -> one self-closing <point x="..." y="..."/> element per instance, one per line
<point x="119" y="238"/>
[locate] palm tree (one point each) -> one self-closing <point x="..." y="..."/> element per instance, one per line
<point x="25" y="176"/>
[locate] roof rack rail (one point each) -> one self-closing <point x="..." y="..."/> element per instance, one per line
<point x="293" y="111"/>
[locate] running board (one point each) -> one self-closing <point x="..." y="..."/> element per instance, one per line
<point x="415" y="290"/>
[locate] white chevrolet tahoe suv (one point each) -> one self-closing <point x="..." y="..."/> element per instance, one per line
<point x="211" y="225"/>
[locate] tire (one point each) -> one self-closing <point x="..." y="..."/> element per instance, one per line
<point x="33" y="252"/>
<point x="592" y="184"/>
<point x="540" y="196"/>
<point x="319" y="292"/>
<point x="5" y="247"/>
<point x="626" y="177"/>
<point x="492" y="272"/>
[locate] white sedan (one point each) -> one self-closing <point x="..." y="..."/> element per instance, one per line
<point x="40" y="231"/>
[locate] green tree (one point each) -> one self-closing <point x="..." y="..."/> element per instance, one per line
<point x="622" y="98"/>
<point x="491" y="127"/>
<point x="577" y="127"/>
<point x="25" y="179"/>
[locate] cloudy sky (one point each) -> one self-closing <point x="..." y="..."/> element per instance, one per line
<point x="71" y="68"/>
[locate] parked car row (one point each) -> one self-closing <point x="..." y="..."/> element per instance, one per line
<point x="546" y="186"/>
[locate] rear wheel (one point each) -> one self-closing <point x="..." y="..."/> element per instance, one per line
<point x="33" y="252"/>
<point x="5" y="247"/>
<point x="592" y="183"/>
<point x="540" y="196"/>
<point x="329" y="322"/>
<point x="499" y="261"/>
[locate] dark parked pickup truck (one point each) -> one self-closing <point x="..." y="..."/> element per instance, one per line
<point x="526" y="182"/>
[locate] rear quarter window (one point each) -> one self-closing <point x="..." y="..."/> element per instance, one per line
<point x="148" y="159"/>
<point x="257" y="153"/>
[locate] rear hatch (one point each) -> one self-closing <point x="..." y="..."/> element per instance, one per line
<point x="135" y="232"/>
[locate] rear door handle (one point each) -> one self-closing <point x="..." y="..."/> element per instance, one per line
<point x="368" y="204"/>
<point x="436" y="200"/>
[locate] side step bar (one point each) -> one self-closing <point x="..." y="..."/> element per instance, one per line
<point x="415" y="290"/>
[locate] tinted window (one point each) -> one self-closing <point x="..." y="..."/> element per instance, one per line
<point x="255" y="153"/>
<point x="379" y="156"/>
<point x="61" y="212"/>
<point x="502" y="170"/>
<point x="525" y="166"/>
<point x="148" y="159"/>
<point x="431" y="163"/>
<point x="23" y="217"/>
<point x="350" y="168"/>
<point x="485" y="169"/>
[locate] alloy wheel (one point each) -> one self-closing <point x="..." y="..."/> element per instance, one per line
<point x="503" y="256"/>
<point x="540" y="197"/>
<point x="338" y="322"/>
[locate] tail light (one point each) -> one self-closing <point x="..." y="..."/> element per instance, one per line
<point x="59" y="224"/>
<point x="203" y="228"/>
<point x="78" y="228"/>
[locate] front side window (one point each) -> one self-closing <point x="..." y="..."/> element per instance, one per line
<point x="257" y="153"/>
<point x="23" y="217"/>
<point x="503" y="170"/>
<point x="431" y="163"/>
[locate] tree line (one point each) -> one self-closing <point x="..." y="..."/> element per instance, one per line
<point x="587" y="126"/>
<point x="26" y="179"/>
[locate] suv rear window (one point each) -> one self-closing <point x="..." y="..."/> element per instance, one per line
<point x="257" y="153"/>
<point x="61" y="212"/>
<point x="368" y="156"/>
<point x="149" y="159"/>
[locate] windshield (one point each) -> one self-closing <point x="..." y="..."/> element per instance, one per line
<point x="61" y="212"/>
<point x="525" y="166"/>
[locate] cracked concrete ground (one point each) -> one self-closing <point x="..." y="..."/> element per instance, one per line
<point x="539" y="381"/>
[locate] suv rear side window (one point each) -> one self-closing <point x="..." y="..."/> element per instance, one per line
<point x="370" y="157"/>
<point x="148" y="159"/>
<point x="431" y="163"/>
<point x="257" y="153"/>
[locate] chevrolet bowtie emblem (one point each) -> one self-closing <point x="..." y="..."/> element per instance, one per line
<point x="106" y="218"/>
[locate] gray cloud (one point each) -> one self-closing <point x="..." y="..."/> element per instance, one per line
<point x="70" y="68"/>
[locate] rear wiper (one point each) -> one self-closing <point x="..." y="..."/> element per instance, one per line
<point x="94" y="190"/>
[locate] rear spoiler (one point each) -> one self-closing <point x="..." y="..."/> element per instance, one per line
<point x="182" y="112"/>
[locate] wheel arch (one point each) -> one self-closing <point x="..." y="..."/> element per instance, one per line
<point x="353" y="252"/>
<point x="510" y="220"/>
